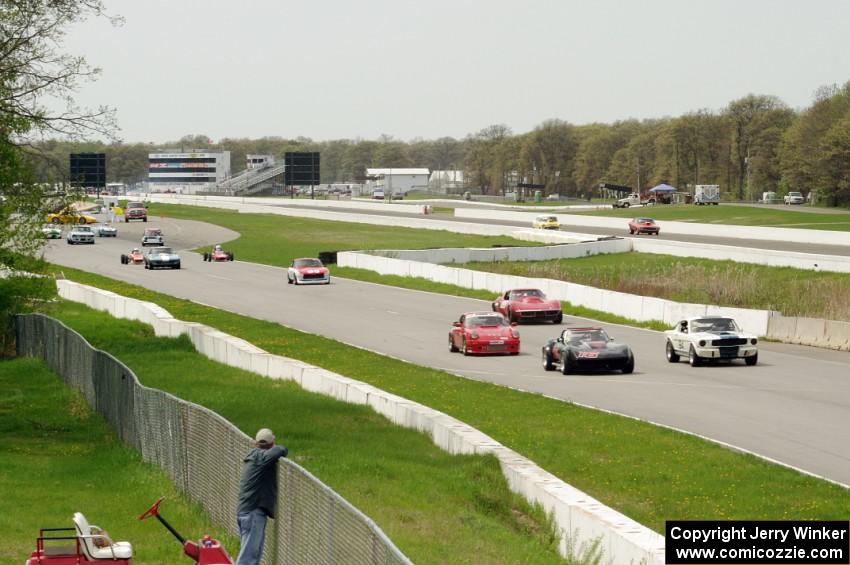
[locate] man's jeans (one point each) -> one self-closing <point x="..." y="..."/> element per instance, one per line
<point x="252" y="531"/>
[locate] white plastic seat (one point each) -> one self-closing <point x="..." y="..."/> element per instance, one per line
<point x="115" y="550"/>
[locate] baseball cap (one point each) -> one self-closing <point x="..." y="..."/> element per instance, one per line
<point x="265" y="436"/>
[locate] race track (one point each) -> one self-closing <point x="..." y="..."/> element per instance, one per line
<point x="794" y="407"/>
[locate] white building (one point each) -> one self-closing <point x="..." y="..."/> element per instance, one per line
<point x="394" y="181"/>
<point x="258" y="161"/>
<point x="446" y="181"/>
<point x="187" y="173"/>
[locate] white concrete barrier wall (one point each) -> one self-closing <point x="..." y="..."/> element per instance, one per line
<point x="578" y="516"/>
<point x="454" y="227"/>
<point x="769" y="257"/>
<point x="822" y="262"/>
<point x="490" y="254"/>
<point x="672" y="227"/>
<point x="630" y="306"/>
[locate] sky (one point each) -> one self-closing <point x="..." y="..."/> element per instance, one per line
<point x="335" y="69"/>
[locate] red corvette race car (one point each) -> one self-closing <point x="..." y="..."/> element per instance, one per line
<point x="218" y="254"/>
<point x="134" y="257"/>
<point x="484" y="332"/>
<point x="644" y="225"/>
<point x="308" y="271"/>
<point x="521" y="304"/>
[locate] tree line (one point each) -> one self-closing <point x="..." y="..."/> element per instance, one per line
<point x="755" y="144"/>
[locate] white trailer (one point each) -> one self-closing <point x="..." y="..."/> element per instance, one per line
<point x="707" y="194"/>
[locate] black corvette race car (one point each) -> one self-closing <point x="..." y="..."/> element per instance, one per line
<point x="587" y="349"/>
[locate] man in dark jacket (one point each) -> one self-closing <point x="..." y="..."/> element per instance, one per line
<point x="257" y="496"/>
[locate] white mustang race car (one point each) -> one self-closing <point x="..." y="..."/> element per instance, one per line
<point x="710" y="339"/>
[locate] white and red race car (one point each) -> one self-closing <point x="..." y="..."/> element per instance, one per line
<point x="218" y="254"/>
<point x="134" y="257"/>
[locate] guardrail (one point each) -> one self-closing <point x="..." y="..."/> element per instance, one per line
<point x="582" y="521"/>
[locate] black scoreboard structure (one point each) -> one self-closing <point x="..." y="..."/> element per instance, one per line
<point x="88" y="170"/>
<point x="302" y="169"/>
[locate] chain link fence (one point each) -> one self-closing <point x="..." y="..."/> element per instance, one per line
<point x="202" y="454"/>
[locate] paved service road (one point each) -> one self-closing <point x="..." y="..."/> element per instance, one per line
<point x="794" y="406"/>
<point x="798" y="246"/>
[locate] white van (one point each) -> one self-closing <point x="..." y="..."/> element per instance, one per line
<point x="378" y="194"/>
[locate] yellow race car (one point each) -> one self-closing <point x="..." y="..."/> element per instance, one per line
<point x="70" y="217"/>
<point x="546" y="223"/>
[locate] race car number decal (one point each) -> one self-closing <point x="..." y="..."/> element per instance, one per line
<point x="588" y="354"/>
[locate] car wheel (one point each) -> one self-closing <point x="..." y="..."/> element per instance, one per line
<point x="694" y="359"/>
<point x="288" y="279"/>
<point x="147" y="266"/>
<point x="463" y="348"/>
<point x="145" y="220"/>
<point x="629" y="367"/>
<point x="631" y="232"/>
<point x="126" y="220"/>
<point x="123" y="259"/>
<point x="511" y="317"/>
<point x="81" y="221"/>
<point x="178" y="266"/>
<point x="452" y="347"/>
<point x="69" y="241"/>
<point x="672" y="356"/>
<point x="55" y="221"/>
<point x="230" y="257"/>
<point x="567" y="366"/>
<point x="626" y="204"/>
<point x="750" y="361"/>
<point x="548" y="365"/>
<point x="559" y="318"/>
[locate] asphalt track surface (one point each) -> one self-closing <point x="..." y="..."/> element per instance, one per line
<point x="800" y="246"/>
<point x="793" y="407"/>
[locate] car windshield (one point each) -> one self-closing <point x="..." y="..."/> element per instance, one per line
<point x="525" y="293"/>
<point x="83" y="228"/>
<point x="161" y="250"/>
<point x="135" y="205"/>
<point x="714" y="325"/>
<point x="579" y="336"/>
<point x="795" y="194"/>
<point x="644" y="221"/>
<point x="307" y="263"/>
<point x="485" y="320"/>
<point x="153" y="231"/>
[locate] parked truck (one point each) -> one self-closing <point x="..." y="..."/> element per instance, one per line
<point x="633" y="199"/>
<point x="707" y="194"/>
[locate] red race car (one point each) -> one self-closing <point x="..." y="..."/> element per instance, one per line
<point x="644" y="225"/>
<point x="484" y="332"/>
<point x="134" y="257"/>
<point x="218" y="254"/>
<point x="521" y="304"/>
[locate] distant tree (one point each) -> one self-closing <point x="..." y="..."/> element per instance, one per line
<point x="32" y="71"/>
<point x="750" y="117"/>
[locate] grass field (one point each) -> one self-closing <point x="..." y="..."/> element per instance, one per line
<point x="793" y="292"/>
<point x="57" y="458"/>
<point x="276" y="240"/>
<point x="430" y="503"/>
<point x="648" y="473"/>
<point x="775" y="216"/>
